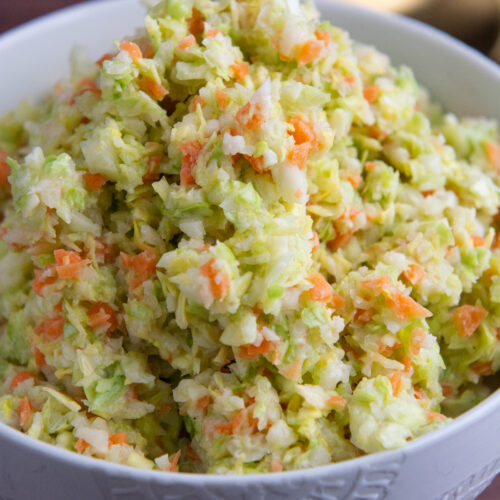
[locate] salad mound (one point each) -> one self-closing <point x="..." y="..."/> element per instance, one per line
<point x="242" y="242"/>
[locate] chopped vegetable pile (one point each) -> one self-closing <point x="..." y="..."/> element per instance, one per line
<point x="242" y="242"/>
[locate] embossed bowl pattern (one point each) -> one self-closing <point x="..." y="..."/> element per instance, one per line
<point x="454" y="463"/>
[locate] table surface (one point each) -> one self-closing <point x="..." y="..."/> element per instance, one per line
<point x="15" y="12"/>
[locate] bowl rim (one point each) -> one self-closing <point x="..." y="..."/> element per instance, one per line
<point x="456" y="425"/>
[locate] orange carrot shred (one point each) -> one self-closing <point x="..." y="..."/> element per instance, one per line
<point x="174" y="461"/>
<point x="482" y="367"/>
<point x="371" y="93"/>
<point x="118" y="438"/>
<point x="100" y="313"/>
<point x="478" y="241"/>
<point x="336" y="400"/>
<point x="24" y="411"/>
<point x="132" y="48"/>
<point x="414" y="274"/>
<point x="240" y="70"/>
<point x="154" y="89"/>
<point x="309" y="52"/>
<point x="19" y="378"/>
<point x="190" y="152"/>
<point x="493" y="154"/>
<point x="321" y="290"/>
<point x="396" y="382"/>
<point x="81" y="445"/>
<point x="324" y="36"/>
<point x="94" y="181"/>
<point x="303" y="131"/>
<point x="195" y="22"/>
<point x="221" y="98"/>
<point x="418" y="337"/>
<point x="203" y="402"/>
<point x="298" y="154"/>
<point x="468" y="318"/>
<point x="4" y="169"/>
<point x="219" y="281"/>
<point x="105" y="57"/>
<point x="39" y="357"/>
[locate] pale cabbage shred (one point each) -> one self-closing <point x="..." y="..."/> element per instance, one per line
<point x="221" y="352"/>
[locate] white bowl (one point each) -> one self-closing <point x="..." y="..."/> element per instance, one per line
<point x="454" y="463"/>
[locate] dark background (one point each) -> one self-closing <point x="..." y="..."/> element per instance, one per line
<point x="478" y="27"/>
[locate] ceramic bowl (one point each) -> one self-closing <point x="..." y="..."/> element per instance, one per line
<point x="454" y="463"/>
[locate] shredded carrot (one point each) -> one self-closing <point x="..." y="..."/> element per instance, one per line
<point x="100" y="313"/>
<point x="221" y="98"/>
<point x="448" y="390"/>
<point x="219" y="281"/>
<point x="151" y="87"/>
<point x="321" y="290"/>
<point x="371" y="93"/>
<point x="240" y="70"/>
<point x="196" y="25"/>
<point x="197" y="99"/>
<point x="370" y="165"/>
<point x="482" y="367"/>
<point x="468" y="318"/>
<point x="4" y="169"/>
<point x="388" y="350"/>
<point x="309" y="52"/>
<point x="51" y="328"/>
<point x="315" y="240"/>
<point x="407" y="363"/>
<point x="404" y="307"/>
<point x="303" y="131"/>
<point x="143" y="265"/>
<point x="212" y="33"/>
<point x="24" y="411"/>
<point x="293" y="371"/>
<point x="363" y="316"/>
<point x="396" y="382"/>
<point x="355" y="181"/>
<point x="94" y="181"/>
<point x="39" y="357"/>
<point x="190" y="152"/>
<point x="191" y="453"/>
<point x="42" y="279"/>
<point x="340" y="241"/>
<point x="203" y="402"/>
<point x="493" y="154"/>
<point x="418" y="337"/>
<point x="298" y="154"/>
<point x="105" y="57"/>
<point x="104" y="251"/>
<point x="338" y="301"/>
<point x="478" y="241"/>
<point x="434" y="415"/>
<point x="86" y="85"/>
<point x="276" y="465"/>
<point x="69" y="263"/>
<point x="419" y="393"/>
<point x="118" y="438"/>
<point x="414" y="274"/>
<point x="324" y="36"/>
<point x="335" y="400"/>
<point x="81" y="445"/>
<point x="249" y="120"/>
<point x="19" y="378"/>
<point x="174" y="461"/>
<point x="132" y="48"/>
<point x="154" y="163"/>
<point x="252" y="352"/>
